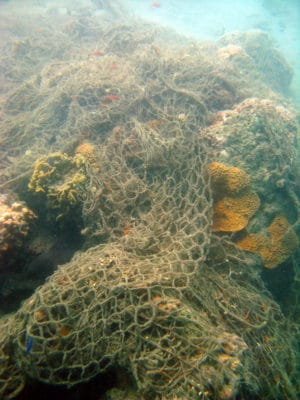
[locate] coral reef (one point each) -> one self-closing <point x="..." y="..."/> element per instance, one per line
<point x="278" y="244"/>
<point x="156" y="301"/>
<point x="15" y="220"/>
<point x="234" y="201"/>
<point x="111" y="138"/>
<point x="260" y="136"/>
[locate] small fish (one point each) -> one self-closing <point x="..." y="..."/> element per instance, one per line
<point x="96" y="53"/>
<point x="29" y="343"/>
<point x="113" y="66"/>
<point x="112" y="97"/>
<point x="155" y="4"/>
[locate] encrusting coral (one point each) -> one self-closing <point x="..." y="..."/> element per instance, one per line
<point x="234" y="201"/>
<point x="280" y="242"/>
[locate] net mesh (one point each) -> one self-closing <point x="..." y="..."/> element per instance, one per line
<point x="155" y="292"/>
<point x="147" y="300"/>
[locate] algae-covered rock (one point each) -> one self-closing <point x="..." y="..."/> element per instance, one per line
<point x="267" y="59"/>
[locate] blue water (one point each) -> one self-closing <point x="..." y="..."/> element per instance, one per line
<point x="210" y="19"/>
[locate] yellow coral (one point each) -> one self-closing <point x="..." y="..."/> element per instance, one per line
<point x="235" y="202"/>
<point x="47" y="169"/>
<point x="281" y="241"/>
<point x="60" y="181"/>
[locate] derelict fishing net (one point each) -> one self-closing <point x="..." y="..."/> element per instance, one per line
<point x="129" y="71"/>
<point x="160" y="295"/>
<point x="182" y="310"/>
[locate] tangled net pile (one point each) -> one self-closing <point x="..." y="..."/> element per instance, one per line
<point x="167" y="300"/>
<point x="160" y="295"/>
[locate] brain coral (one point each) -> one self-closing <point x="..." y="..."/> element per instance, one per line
<point x="234" y="200"/>
<point x="275" y="247"/>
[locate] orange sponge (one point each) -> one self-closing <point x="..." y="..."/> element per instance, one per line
<point x="234" y="200"/>
<point x="87" y="150"/>
<point x="275" y="247"/>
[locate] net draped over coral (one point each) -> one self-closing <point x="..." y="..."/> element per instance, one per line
<point x="166" y="300"/>
<point x="156" y="291"/>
